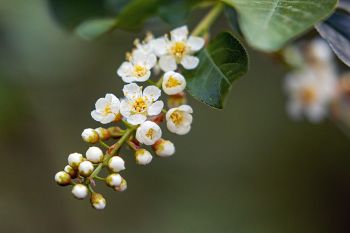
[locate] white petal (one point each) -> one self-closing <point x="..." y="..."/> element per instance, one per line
<point x="125" y="69"/>
<point x="183" y="130"/>
<point x="152" y="93"/>
<point x="107" y="119"/>
<point x="138" y="57"/>
<point x="155" y="108"/>
<point x="136" y="119"/>
<point x="159" y="46"/>
<point x="115" y="104"/>
<point x="316" y="113"/>
<point x="100" y="104"/>
<point x="186" y="108"/>
<point x="151" y="61"/>
<point x="179" y="34"/>
<point x="132" y="91"/>
<point x="167" y="63"/>
<point x="189" y="62"/>
<point x="195" y="43"/>
<point x="125" y="108"/>
<point x="143" y="78"/>
<point x="96" y="116"/>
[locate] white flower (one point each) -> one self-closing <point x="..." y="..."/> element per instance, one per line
<point x="62" y="178"/>
<point x="107" y="109"/>
<point x="319" y="52"/>
<point x="143" y="157"/>
<point x="164" y="148"/>
<point x="98" y="201"/>
<point x="173" y="83"/>
<point x="179" y="119"/>
<point x="148" y="133"/>
<point x="138" y="105"/>
<point x="122" y="187"/>
<point x="116" y="164"/>
<point x="80" y="191"/>
<point x="94" y="154"/>
<point x="75" y="159"/>
<point x="85" y="168"/>
<point x="90" y="135"/>
<point x="310" y="92"/>
<point x="114" y="180"/>
<point x="138" y="69"/>
<point x="178" y="50"/>
<point x="146" y="46"/>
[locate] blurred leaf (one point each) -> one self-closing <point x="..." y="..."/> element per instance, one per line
<point x="221" y="63"/>
<point x="91" y="29"/>
<point x="232" y="18"/>
<point x="269" y="24"/>
<point x="336" y="30"/>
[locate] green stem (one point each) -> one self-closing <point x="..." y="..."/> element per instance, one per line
<point x="208" y="20"/>
<point x="104" y="144"/>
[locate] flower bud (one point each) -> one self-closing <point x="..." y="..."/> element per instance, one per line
<point x="68" y="169"/>
<point x="122" y="187"/>
<point x="90" y="135"/>
<point x="164" y="148"/>
<point x="114" y="180"/>
<point x="75" y="159"/>
<point x="85" y="168"/>
<point x="116" y="164"/>
<point x="80" y="191"/>
<point x="62" y="178"/>
<point x="143" y="157"/>
<point x="94" y="154"/>
<point x="98" y="201"/>
<point x="103" y="133"/>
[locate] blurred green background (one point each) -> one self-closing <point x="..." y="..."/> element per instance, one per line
<point x="246" y="169"/>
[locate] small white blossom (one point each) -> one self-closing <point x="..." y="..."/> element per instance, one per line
<point x="98" y="201"/>
<point x="143" y="157"/>
<point x="103" y="133"/>
<point x="90" y="135"/>
<point x="178" y="50"/>
<point x="138" y="105"/>
<point x="116" y="164"/>
<point x="80" y="191"/>
<point x="75" y="159"/>
<point x="173" y="83"/>
<point x="179" y="119"/>
<point x="62" y="178"/>
<point x="148" y="133"/>
<point x="164" y="148"/>
<point x="85" y="168"/>
<point x="94" y="154"/>
<point x="114" y="180"/>
<point x="122" y="187"/>
<point x="107" y="109"/>
<point x="138" y="69"/>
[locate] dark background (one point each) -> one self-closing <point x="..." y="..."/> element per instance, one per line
<point x="246" y="169"/>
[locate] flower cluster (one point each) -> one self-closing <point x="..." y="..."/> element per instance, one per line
<point x="141" y="110"/>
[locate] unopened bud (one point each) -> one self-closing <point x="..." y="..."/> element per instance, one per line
<point x="114" y="180"/>
<point x="103" y="133"/>
<point x="116" y="164"/>
<point x="143" y="157"/>
<point x="122" y="187"/>
<point x="164" y="148"/>
<point x="177" y="100"/>
<point x="90" y="135"/>
<point x="98" y="201"/>
<point x="62" y="178"/>
<point x="70" y="171"/>
<point x="94" y="154"/>
<point x="85" y="168"/>
<point x="75" y="159"/>
<point x="80" y="191"/>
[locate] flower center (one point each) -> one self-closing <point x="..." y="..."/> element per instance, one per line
<point x="172" y="82"/>
<point x="150" y="133"/>
<point x="308" y="95"/>
<point x="177" y="117"/>
<point x="107" y="110"/>
<point x="178" y="49"/>
<point x="139" y="105"/>
<point x="140" y="71"/>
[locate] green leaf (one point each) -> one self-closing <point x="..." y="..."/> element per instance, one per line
<point x="222" y="62"/>
<point x="269" y="24"/>
<point x="92" y="29"/>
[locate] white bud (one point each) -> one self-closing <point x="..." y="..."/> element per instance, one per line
<point x="62" y="178"/>
<point x="70" y="171"/>
<point x="143" y="157"/>
<point x="103" y="133"/>
<point x="80" y="191"/>
<point x="90" y="135"/>
<point x="114" y="180"/>
<point x="116" y="164"/>
<point x="98" y="201"/>
<point x="164" y="148"/>
<point x="75" y="159"/>
<point x="94" y="154"/>
<point x="122" y="187"/>
<point x="85" y="168"/>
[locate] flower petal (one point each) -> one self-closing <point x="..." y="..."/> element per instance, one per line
<point x="150" y="61"/>
<point x="195" y="43"/>
<point x="132" y="91"/>
<point x="95" y="115"/>
<point x="186" y="108"/>
<point x="100" y="104"/>
<point x="125" y="69"/>
<point x="155" y="108"/>
<point x="167" y="63"/>
<point x="108" y="118"/>
<point x="125" y="108"/>
<point x="179" y="34"/>
<point x="189" y="62"/>
<point x="136" y="119"/>
<point x="159" y="46"/>
<point x="152" y="93"/>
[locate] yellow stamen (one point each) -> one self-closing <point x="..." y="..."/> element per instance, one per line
<point x="177" y="117"/>
<point x="107" y="110"/>
<point x="140" y="71"/>
<point x="308" y="95"/>
<point x="178" y="49"/>
<point x="172" y="82"/>
<point x="150" y="133"/>
<point x="139" y="105"/>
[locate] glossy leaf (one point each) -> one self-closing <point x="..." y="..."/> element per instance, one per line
<point x="222" y="62"/>
<point x="269" y="24"/>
